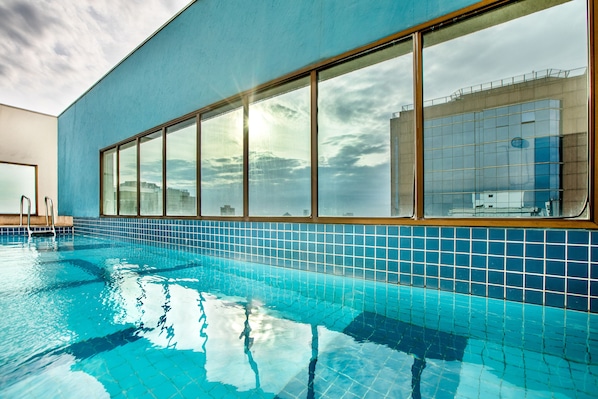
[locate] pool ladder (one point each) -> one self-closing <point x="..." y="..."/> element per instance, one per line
<point x="51" y="228"/>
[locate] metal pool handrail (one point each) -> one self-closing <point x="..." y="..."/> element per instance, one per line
<point x="29" y="231"/>
<point x="24" y="197"/>
<point x="46" y="199"/>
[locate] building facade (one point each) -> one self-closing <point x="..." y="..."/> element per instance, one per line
<point x="514" y="148"/>
<point x="29" y="156"/>
<point x="292" y="114"/>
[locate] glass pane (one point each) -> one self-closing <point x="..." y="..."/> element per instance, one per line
<point x="109" y="179"/>
<point x="359" y="104"/>
<point x="505" y="131"/>
<point x="279" y="152"/>
<point x="15" y="181"/>
<point x="181" y="169"/>
<point x="127" y="175"/>
<point x="222" y="162"/>
<point x="150" y="174"/>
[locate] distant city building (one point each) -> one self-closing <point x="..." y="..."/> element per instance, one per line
<point x="150" y="199"/>
<point x="127" y="197"/>
<point x="150" y="195"/>
<point x="512" y="148"/>
<point x="227" y="210"/>
<point x="179" y="202"/>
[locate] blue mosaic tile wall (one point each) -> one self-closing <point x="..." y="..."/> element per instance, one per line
<point x="22" y="230"/>
<point x="556" y="268"/>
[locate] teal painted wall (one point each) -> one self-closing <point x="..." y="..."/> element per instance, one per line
<point x="211" y="51"/>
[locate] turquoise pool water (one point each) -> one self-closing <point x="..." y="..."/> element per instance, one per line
<point x="96" y="319"/>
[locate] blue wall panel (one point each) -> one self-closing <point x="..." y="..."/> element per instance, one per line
<point x="211" y="51"/>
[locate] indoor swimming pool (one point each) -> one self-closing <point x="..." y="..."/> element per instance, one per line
<point x="94" y="318"/>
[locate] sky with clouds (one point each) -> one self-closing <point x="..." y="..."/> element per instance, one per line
<point x="52" y="51"/>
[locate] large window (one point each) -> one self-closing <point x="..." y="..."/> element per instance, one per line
<point x="504" y="119"/>
<point x="484" y="115"/>
<point x="109" y="181"/>
<point x="150" y="174"/>
<point x="279" y="151"/>
<point x="222" y="162"/>
<point x="17" y="180"/>
<point x="127" y="179"/>
<point x="357" y="104"/>
<point x="181" y="169"/>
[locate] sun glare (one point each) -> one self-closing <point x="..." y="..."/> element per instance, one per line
<point x="259" y="127"/>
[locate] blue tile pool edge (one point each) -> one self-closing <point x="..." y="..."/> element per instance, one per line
<point x="22" y="230"/>
<point x="555" y="268"/>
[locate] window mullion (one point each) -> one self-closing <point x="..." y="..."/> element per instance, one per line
<point x="245" y="157"/>
<point x="314" y="144"/>
<point x="138" y="194"/>
<point x="198" y="168"/>
<point x="418" y="110"/>
<point x="164" y="188"/>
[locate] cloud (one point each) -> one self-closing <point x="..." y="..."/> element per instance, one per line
<point x="361" y="191"/>
<point x="22" y="22"/>
<point x="355" y="111"/>
<point x="369" y="96"/>
<point x="356" y="179"/>
<point x="180" y="170"/>
<point x="354" y="131"/>
<point x="221" y="172"/>
<point x="548" y="39"/>
<point x="277" y="185"/>
<point x="151" y="172"/>
<point x="127" y="167"/>
<point x="274" y="169"/>
<point x="361" y="151"/>
<point x="53" y="51"/>
<point x="284" y="112"/>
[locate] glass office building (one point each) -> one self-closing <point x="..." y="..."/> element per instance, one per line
<point x="512" y="159"/>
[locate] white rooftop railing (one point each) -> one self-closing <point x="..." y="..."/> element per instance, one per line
<point x="528" y="77"/>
